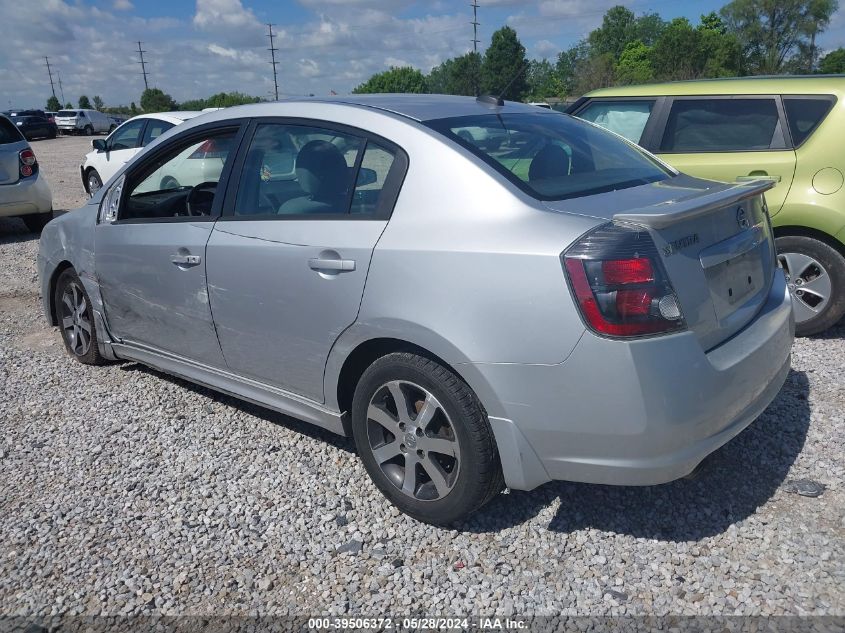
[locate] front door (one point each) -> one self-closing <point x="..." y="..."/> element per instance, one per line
<point x="732" y="140"/>
<point x="151" y="260"/>
<point x="286" y="269"/>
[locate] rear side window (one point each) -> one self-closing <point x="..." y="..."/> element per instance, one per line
<point x="155" y="128"/>
<point x="723" y="125"/>
<point x="8" y="132"/>
<point x="626" y="118"/>
<point x="804" y="115"/>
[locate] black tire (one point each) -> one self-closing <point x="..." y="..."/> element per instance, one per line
<point x="89" y="131"/>
<point x="112" y="128"/>
<point x="52" y="134"/>
<point x="812" y="315"/>
<point x="478" y="477"/>
<point x="36" y="222"/>
<point x="93" y="182"/>
<point x="88" y="354"/>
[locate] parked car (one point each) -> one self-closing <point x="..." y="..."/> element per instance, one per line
<point x="361" y="265"/>
<point x="16" y="113"/>
<point x="50" y="116"/>
<point x="33" y="127"/>
<point x="786" y="129"/>
<point x="86" y="122"/>
<point x="109" y="155"/>
<point x="24" y="191"/>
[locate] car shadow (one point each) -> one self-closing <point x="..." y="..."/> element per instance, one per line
<point x="269" y="415"/>
<point x="836" y="331"/>
<point x="13" y="230"/>
<point x="730" y="486"/>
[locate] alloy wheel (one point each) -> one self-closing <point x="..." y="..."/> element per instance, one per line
<point x="94" y="184"/>
<point x="76" y="319"/>
<point x="413" y="440"/>
<point x="809" y="283"/>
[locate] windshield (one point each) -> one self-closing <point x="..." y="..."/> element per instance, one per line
<point x="552" y="156"/>
<point x="67" y="113"/>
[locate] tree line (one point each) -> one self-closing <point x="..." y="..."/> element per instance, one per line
<point x="156" y="100"/>
<point x="746" y="37"/>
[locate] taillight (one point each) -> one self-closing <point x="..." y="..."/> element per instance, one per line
<point x="208" y="149"/>
<point x="619" y="283"/>
<point x="28" y="163"/>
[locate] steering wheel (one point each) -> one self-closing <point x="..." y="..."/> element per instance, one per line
<point x="201" y="198"/>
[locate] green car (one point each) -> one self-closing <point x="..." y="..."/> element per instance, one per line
<point x="788" y="129"/>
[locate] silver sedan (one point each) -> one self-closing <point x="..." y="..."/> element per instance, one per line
<point x="483" y="294"/>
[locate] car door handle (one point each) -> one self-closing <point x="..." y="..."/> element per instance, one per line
<point x="760" y="177"/>
<point x="185" y="260"/>
<point x="341" y="265"/>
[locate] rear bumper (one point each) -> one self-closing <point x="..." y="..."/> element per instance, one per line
<point x="642" y="412"/>
<point x="26" y="197"/>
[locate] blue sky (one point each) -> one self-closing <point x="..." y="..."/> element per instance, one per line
<point x="199" y="47"/>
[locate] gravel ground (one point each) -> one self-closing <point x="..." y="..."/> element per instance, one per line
<point x="123" y="490"/>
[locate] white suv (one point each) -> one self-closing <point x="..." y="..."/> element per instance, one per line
<point x="86" y="122"/>
<point x="109" y="155"/>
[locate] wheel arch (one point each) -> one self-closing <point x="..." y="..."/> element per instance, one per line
<point x="808" y="231"/>
<point x="54" y="278"/>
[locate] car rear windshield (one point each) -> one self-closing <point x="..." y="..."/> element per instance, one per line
<point x="64" y="113"/>
<point x="552" y="156"/>
<point x="804" y="115"/>
<point x="8" y="132"/>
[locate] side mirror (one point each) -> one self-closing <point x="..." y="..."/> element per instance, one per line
<point x="366" y="176"/>
<point x="99" y="144"/>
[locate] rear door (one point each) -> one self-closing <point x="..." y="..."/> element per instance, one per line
<point x="731" y="139"/>
<point x="288" y="259"/>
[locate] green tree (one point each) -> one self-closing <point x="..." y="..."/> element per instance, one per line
<point x="634" y="65"/>
<point x="133" y="109"/>
<point x="504" y="66"/>
<point x="616" y="31"/>
<point x="833" y="63"/>
<point x="404" y="79"/>
<point x="777" y="33"/>
<point x="543" y="81"/>
<point x="219" y="100"/>
<point x="687" y="52"/>
<point x="98" y="102"/>
<point x="456" y="76"/>
<point x="569" y="65"/>
<point x="68" y="106"/>
<point x="154" y="100"/>
<point x="53" y="104"/>
<point x="84" y="103"/>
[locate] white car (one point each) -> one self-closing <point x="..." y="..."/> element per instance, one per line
<point x="88" y="122"/>
<point x="109" y="155"/>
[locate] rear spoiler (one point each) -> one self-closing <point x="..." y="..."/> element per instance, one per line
<point x="696" y="206"/>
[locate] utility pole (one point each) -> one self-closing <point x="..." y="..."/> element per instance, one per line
<point x="475" y="25"/>
<point x="50" y="73"/>
<point x="61" y="89"/>
<point x="143" y="66"/>
<point x="273" y="61"/>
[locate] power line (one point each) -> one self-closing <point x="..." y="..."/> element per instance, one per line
<point x="475" y="25"/>
<point x="61" y="89"/>
<point x="50" y="73"/>
<point x="143" y="66"/>
<point x="273" y="61"/>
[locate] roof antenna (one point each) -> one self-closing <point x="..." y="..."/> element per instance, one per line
<point x="498" y="100"/>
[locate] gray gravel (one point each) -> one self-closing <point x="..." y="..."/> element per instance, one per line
<point x="123" y="490"/>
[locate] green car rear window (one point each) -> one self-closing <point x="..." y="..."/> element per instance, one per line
<point x="804" y="115"/>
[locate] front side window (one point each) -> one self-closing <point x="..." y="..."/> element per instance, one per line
<point x="292" y="170"/>
<point x="155" y="128"/>
<point x="552" y="157"/>
<point x="723" y="125"/>
<point x="804" y="115"/>
<point x="626" y="118"/>
<point x="181" y="183"/>
<point x="126" y="136"/>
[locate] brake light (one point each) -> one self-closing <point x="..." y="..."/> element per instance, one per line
<point x="208" y="149"/>
<point x="29" y="164"/>
<point x="619" y="283"/>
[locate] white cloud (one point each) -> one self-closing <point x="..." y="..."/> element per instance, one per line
<point x="122" y="5"/>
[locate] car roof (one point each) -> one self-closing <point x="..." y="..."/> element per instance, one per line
<point x="173" y="117"/>
<point x="808" y="84"/>
<point x="419" y="107"/>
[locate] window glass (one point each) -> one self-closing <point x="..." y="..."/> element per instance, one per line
<point x="375" y="166"/>
<point x="627" y="119"/>
<point x="155" y="128"/>
<point x="804" y="115"/>
<point x="552" y="157"/>
<point x="297" y="170"/>
<point x="67" y="113"/>
<point x="126" y="136"/>
<point x="184" y="182"/>
<point x="8" y="132"/>
<point x="722" y="125"/>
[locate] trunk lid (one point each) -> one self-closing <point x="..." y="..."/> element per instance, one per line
<point x="10" y="164"/>
<point x="715" y="242"/>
